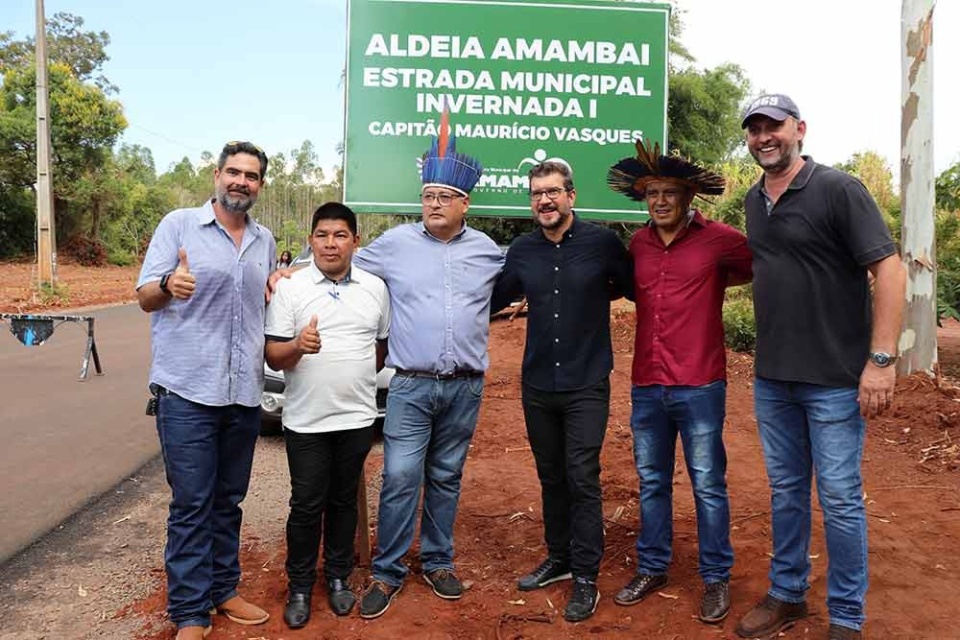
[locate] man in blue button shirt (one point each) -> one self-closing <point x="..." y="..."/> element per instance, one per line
<point x="440" y="274"/>
<point x="203" y="281"/>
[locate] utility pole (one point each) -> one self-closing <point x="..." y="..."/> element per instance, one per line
<point x="46" y="234"/>
<point x="918" y="338"/>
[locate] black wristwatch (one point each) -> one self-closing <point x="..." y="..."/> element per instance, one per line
<point x="163" y="284"/>
<point x="882" y="359"/>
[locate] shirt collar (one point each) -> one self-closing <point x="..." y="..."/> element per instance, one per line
<point x="566" y="234"/>
<point x="207" y="215"/>
<point x="318" y="276"/>
<point x="459" y="234"/>
<point x="799" y="181"/>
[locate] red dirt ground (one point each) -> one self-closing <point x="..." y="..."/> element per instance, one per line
<point x="911" y="483"/>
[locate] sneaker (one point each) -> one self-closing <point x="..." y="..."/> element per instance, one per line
<point x="715" y="603"/>
<point x="769" y="616"/>
<point x="843" y="633"/>
<point x="642" y="585"/>
<point x="377" y="599"/>
<point x="583" y="602"/>
<point x="444" y="583"/>
<point x="550" y="570"/>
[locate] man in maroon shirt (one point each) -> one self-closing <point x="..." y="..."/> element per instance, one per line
<point x="683" y="262"/>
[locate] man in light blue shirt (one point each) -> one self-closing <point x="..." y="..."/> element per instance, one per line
<point x="440" y="274"/>
<point x="203" y="280"/>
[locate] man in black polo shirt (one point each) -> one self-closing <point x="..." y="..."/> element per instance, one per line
<point x="823" y="360"/>
<point x="569" y="270"/>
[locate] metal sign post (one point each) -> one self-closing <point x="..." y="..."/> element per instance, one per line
<point x="33" y="330"/>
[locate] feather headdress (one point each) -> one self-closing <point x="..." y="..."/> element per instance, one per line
<point x="443" y="166"/>
<point x="630" y="176"/>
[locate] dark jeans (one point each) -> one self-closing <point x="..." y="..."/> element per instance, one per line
<point x="566" y="431"/>
<point x="324" y="474"/>
<point x="207" y="454"/>
<point x="660" y="413"/>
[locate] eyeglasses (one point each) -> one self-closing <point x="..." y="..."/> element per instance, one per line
<point x="443" y="198"/>
<point x="552" y="193"/>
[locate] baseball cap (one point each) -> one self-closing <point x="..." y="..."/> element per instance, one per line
<point x="773" y="105"/>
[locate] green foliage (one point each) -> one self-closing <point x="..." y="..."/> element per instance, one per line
<point x="740" y="174"/>
<point x="56" y="294"/>
<point x="704" y="112"/>
<point x="17" y="221"/>
<point x="295" y="187"/>
<point x="739" y="326"/>
<point x="291" y="237"/>
<point x="947" y="230"/>
<point x="85" y="125"/>
<point x="947" y="188"/>
<point x="84" y="52"/>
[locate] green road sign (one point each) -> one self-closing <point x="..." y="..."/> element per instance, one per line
<point x="524" y="81"/>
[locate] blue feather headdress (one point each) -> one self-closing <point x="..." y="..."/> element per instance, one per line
<point x="443" y="166"/>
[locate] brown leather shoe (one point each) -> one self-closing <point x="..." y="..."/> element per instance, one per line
<point x="843" y="633"/>
<point x="194" y="632"/>
<point x="242" y="612"/>
<point x="715" y="603"/>
<point x="769" y="616"/>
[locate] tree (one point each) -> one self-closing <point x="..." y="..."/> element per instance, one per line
<point x="872" y="170"/>
<point x="704" y="112"/>
<point x="85" y="125"/>
<point x="947" y="188"/>
<point x="84" y="52"/>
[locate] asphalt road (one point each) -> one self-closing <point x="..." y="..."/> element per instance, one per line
<point x="65" y="442"/>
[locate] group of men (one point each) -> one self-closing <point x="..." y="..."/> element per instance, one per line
<point x="419" y="299"/>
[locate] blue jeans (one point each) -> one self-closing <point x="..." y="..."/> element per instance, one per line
<point x="807" y="429"/>
<point x="696" y="414"/>
<point x="207" y="454"/>
<point x="426" y="435"/>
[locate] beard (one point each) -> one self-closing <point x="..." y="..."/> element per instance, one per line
<point x="781" y="163"/>
<point x="550" y="226"/>
<point x="236" y="201"/>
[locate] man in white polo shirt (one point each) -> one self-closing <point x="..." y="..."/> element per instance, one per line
<point x="326" y="328"/>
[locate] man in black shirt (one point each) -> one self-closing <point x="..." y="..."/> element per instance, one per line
<point x="569" y="270"/>
<point x="824" y="352"/>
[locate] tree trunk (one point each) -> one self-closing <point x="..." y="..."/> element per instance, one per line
<point x="918" y="340"/>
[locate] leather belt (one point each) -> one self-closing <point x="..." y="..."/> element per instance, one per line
<point x="465" y="373"/>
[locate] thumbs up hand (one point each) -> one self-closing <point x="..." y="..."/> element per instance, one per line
<point x="182" y="283"/>
<point x="309" y="339"/>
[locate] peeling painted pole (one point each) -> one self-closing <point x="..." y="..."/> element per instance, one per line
<point x="46" y="233"/>
<point x="918" y="340"/>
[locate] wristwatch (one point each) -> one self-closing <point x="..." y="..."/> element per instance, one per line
<point x="163" y="284"/>
<point x="882" y="359"/>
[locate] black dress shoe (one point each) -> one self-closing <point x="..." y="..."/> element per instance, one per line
<point x="297" y="612"/>
<point x="340" y="597"/>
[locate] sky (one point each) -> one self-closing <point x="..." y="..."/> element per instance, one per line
<point x="193" y="75"/>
